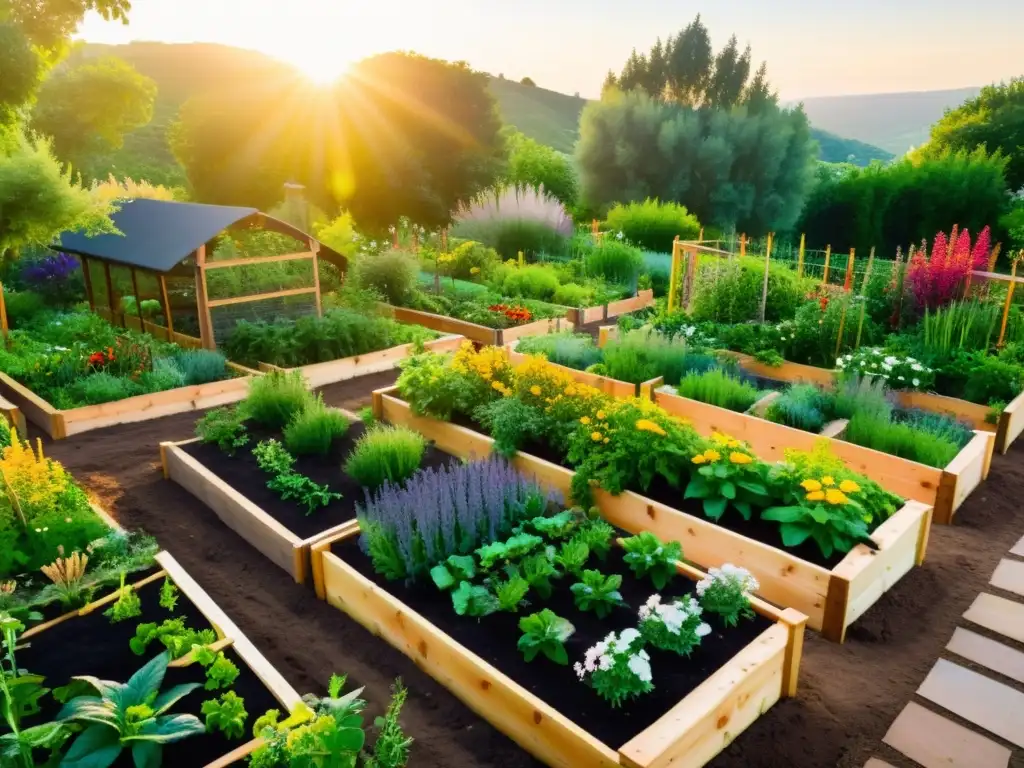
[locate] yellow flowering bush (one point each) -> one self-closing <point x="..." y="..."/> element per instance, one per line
<point x="41" y="509"/>
<point x="437" y="385"/>
<point x="726" y="473"/>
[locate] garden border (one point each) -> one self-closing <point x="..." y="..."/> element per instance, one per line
<point x="691" y="733"/>
<point x="14" y="416"/>
<point x="831" y="599"/>
<point x="642" y="300"/>
<point x="59" y="424"/>
<point x="345" y="368"/>
<point x="481" y="334"/>
<point x="271" y="538"/>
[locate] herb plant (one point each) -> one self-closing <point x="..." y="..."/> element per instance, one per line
<point x="726" y="591"/>
<point x="168" y="595"/>
<point x="386" y="454"/>
<point x="573" y="555"/>
<point x="511" y="592"/>
<point x="226" y="714"/>
<point x="391" y="750"/>
<point x="276" y="398"/>
<point x="127" y="606"/>
<point x="648" y="556"/>
<point x="545" y="632"/>
<point x="675" y="626"/>
<point x="597" y="535"/>
<point x="221" y="672"/>
<point x="224" y="427"/>
<point x="598" y="593"/>
<point x="474" y="600"/>
<point x="312" y="430"/>
<point x="454" y="569"/>
<point x="617" y="668"/>
<point x="272" y="458"/>
<point x="555" y="527"/>
<point x="538" y="570"/>
<point x="177" y="638"/>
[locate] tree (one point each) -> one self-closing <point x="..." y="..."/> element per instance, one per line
<point x="995" y="120"/>
<point x="531" y="164"/>
<point x="49" y="24"/>
<point x="528" y="81"/>
<point x="92" y="106"/>
<point x="21" y="69"/>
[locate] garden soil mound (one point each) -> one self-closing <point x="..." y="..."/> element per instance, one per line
<point x="848" y="697"/>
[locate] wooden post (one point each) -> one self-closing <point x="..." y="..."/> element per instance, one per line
<point x="4" y="329"/>
<point x="863" y="294"/>
<point x="167" y="308"/>
<point x="673" y="275"/>
<point x="1009" y="300"/>
<point x="314" y="246"/>
<point x="764" y="283"/>
<point x="110" y="292"/>
<point x="700" y="237"/>
<point x="800" y="258"/>
<point x="444" y="240"/>
<point x="848" y="280"/>
<point x="138" y="301"/>
<point x="828" y="256"/>
<point x="743" y="244"/>
<point x="593" y="226"/>
<point x="203" y="301"/>
<point x="87" y="278"/>
<point x="520" y="258"/>
<point x="842" y="325"/>
<point x="694" y="266"/>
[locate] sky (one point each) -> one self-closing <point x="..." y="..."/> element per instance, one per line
<point x="812" y="48"/>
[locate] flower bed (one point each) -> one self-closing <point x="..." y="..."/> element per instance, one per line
<point x="673" y="706"/>
<point x="233" y="481"/>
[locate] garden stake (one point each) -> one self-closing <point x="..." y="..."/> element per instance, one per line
<point x="828" y="255"/>
<point x="1009" y="300"/>
<point x="800" y="258"/>
<point x="520" y="258"/>
<point x="863" y="297"/>
<point x="743" y="244"/>
<point x="842" y="325"/>
<point x="3" y="317"/>
<point x="673" y="275"/>
<point x="700" y="237"/>
<point x="848" y="280"/>
<point x="764" y="283"/>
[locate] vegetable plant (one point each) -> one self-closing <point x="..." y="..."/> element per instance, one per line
<point x="510" y="592"/>
<point x="598" y="593"/>
<point x="386" y="454"/>
<point x="221" y="672"/>
<point x="572" y="555"/>
<point x="538" y="570"/>
<point x="597" y="535"/>
<point x="555" y="527"/>
<point x="391" y="750"/>
<point x="226" y="714"/>
<point x="513" y="548"/>
<point x="648" y="556"/>
<point x="312" y="430"/>
<point x="131" y="716"/>
<point x="172" y="634"/>
<point x="822" y="510"/>
<point x="726" y="592"/>
<point x="474" y="600"/>
<point x="454" y="569"/>
<point x="275" y="398"/>
<point x="168" y="595"/>
<point x="225" y="428"/>
<point x="127" y="606"/>
<point x="727" y="474"/>
<point x="545" y="632"/>
<point x="272" y="458"/>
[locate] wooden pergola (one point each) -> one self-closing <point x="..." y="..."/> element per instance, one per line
<point x="167" y="239"/>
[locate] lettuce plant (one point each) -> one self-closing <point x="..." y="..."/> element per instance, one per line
<point x="474" y="600"/>
<point x="598" y="593"/>
<point x="545" y="632"/>
<point x="226" y="714"/>
<point x="648" y="556"/>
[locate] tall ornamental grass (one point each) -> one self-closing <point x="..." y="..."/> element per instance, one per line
<point x="516" y="219"/>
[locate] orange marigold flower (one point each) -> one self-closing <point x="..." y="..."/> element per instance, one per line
<point x="828" y="481"/>
<point x="811" y="485"/>
<point x="699" y="459"/>
<point x="585" y="420"/>
<point x="837" y="497"/>
<point x="712" y="455"/>
<point x="535" y="390"/>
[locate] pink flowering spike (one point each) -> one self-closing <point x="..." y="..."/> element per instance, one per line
<point x="982" y="248"/>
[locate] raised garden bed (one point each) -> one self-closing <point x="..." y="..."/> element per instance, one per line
<point x="696" y="710"/>
<point x="612" y="309"/>
<point x="101" y="649"/>
<point x="831" y="594"/>
<point x="59" y="424"/>
<point x="14" y="416"/>
<point x="481" y="334"/>
<point x="234" y="488"/>
<point x="333" y="371"/>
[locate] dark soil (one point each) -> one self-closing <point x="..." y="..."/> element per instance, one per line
<point x="849" y="694"/>
<point x="91" y="645"/>
<point x="494" y="639"/>
<point x="243" y="474"/>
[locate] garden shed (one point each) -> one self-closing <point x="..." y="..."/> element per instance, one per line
<point x="170" y="243"/>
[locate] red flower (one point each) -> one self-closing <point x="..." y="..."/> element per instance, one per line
<point x="824" y="303"/>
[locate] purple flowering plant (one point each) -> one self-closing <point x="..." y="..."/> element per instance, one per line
<point x="56" y="276"/>
<point x="447" y="511"/>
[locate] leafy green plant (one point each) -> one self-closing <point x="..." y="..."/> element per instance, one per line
<point x="726" y="591"/>
<point x="127" y="606"/>
<point x="312" y="430"/>
<point x="511" y="422"/>
<point x="386" y="454"/>
<point x="226" y="714"/>
<point x="177" y="638"/>
<point x="727" y="474"/>
<point x="652" y="224"/>
<point x="598" y="593"/>
<point x="597" y="535"/>
<point x="617" y="667"/>
<point x="201" y="366"/>
<point x="366" y="416"/>
<point x="802" y="406"/>
<point x="569" y="349"/>
<point x="391" y="750"/>
<point x="474" y="600"/>
<point x="129" y="715"/>
<point x="289" y="484"/>
<point x="275" y="398"/>
<point x="538" y="570"/>
<point x="221" y="672"/>
<point x="455" y="569"/>
<point x="555" y="527"/>
<point x="675" y="626"/>
<point x="511" y="592"/>
<point x="514" y="548"/>
<point x="393" y="274"/>
<point x="572" y="556"/>
<point x="822" y="510"/>
<point x="545" y="632"/>
<point x="225" y="427"/>
<point x="901" y="439"/>
<point x="168" y="595"/>
<point x="717" y="387"/>
<point x="535" y="281"/>
<point x="769" y="357"/>
<point x="647" y="555"/>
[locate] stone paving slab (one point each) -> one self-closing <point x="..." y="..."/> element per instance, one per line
<point x="988" y="653"/>
<point x="1018" y="548"/>
<point x="978" y="699"/>
<point x="1009" y="575"/>
<point x="937" y="742"/>
<point x="874" y="762"/>
<point x="998" y="614"/>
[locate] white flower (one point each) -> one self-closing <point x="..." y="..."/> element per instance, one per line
<point x="890" y="360"/>
<point x="690" y="330"/>
<point x="391" y="229"/>
<point x="839" y="362"/>
<point x="628" y="636"/>
<point x="619" y="236"/>
<point x="916" y="382"/>
<point x="606" y="663"/>
<point x="917" y="366"/>
<point x="580" y="671"/>
<point x="373" y="243"/>
<point x="703" y="630"/>
<point x="901" y="378"/>
<point x="61" y="349"/>
<point x="640" y="667"/>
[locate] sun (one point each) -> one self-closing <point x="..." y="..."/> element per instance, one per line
<point x="323" y="67"/>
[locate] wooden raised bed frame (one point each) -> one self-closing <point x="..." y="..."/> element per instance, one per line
<point x="481" y="334"/>
<point x="59" y="424"/>
<point x="14" y="416"/>
<point x="690" y="734"/>
<point x="228" y="635"/>
<point x="331" y="372"/>
<point x="284" y="548"/>
<point x="831" y="599"/>
<point x="612" y="309"/>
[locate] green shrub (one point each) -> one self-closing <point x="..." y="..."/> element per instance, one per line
<point x="802" y="406"/>
<point x="614" y="261"/>
<point x="102" y="387"/>
<point x="652" y="225"/>
<point x="469" y="256"/>
<point x="569" y="349"/>
<point x="900" y="439"/>
<point x="313" y="429"/>
<point x="994" y="379"/>
<point x="385" y="453"/>
<point x="572" y="295"/>
<point x="730" y="292"/>
<point x="510" y="236"/>
<point x="861" y="394"/>
<point x="639" y="356"/>
<point x="165" y="375"/>
<point x="533" y="282"/>
<point x="201" y="366"/>
<point x="719" y="388"/>
<point x="223" y="427"/>
<point x="393" y="274"/>
<point x="275" y="398"/>
<point x="22" y="306"/>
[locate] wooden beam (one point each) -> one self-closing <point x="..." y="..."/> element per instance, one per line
<point x="138" y="301"/>
<point x="259" y="297"/>
<point x="1006" y="307"/>
<point x="167" y="307"/>
<point x="828" y="256"/>
<point x="262" y="260"/>
<point x="88" y="283"/>
<point x="314" y="247"/>
<point x="3" y="315"/>
<point x="203" y="301"/>
<point x="110" y="292"/>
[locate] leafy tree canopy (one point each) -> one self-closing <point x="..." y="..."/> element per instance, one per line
<point x="995" y="120"/>
<point x="49" y="24"/>
<point x="92" y="106"/>
<point x="20" y="71"/>
<point x="532" y="164"/>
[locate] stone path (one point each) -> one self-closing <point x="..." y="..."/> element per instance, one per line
<point x="969" y="711"/>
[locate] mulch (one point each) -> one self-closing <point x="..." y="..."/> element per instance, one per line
<point x="848" y="694"/>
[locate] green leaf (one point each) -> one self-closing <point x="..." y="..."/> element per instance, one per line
<point x="697" y="488"/>
<point x="89" y="708"/>
<point x="758" y="489"/>
<point x="170" y="697"/>
<point x="146" y="681"/>
<point x="715" y="508"/>
<point x="823" y="538"/>
<point x="170" y="728"/>
<point x="744" y="509"/>
<point x="728" y="489"/>
<point x="819" y="514"/>
<point x="721" y="471"/>
<point x="442" y="577"/>
<point x="557" y="653"/>
<point x="44" y="736"/>
<point x="147" y="754"/>
<point x="794" y="534"/>
<point x="784" y="514"/>
<point x="463" y="567"/>
<point x="96" y="747"/>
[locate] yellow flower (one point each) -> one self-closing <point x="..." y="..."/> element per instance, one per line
<point x="739" y="458"/>
<point x="811" y="485"/>
<point x="699" y="459"/>
<point x="834" y="496"/>
<point x="720" y="438"/>
<point x="828" y="481"/>
<point x="712" y="455"/>
<point x="605" y="440"/>
<point x="585" y="420"/>
<point x="601" y="415"/>
<point x="596" y="436"/>
<point x="474" y="271"/>
<point x="570" y="390"/>
<point x="497" y="385"/>
<point x="815" y="495"/>
<point x="646" y="425"/>
<point x="733" y="444"/>
<point x="849" y="486"/>
<point x="535" y="390"/>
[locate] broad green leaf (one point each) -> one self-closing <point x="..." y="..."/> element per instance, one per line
<point x="715" y="508"/>
<point x="557" y="653"/>
<point x="794" y="534"/>
<point x="697" y="488"/>
<point x="721" y="471"/>
<point x="442" y="577"/>
<point x="819" y="514"/>
<point x="169" y="728"/>
<point x="463" y="566"/>
<point x="89" y="708"/>
<point x="824" y="540"/>
<point x="728" y="489"/>
<point x="758" y="489"/>
<point x="744" y="509"/>
<point x="43" y="736"/>
<point x="170" y="697"/>
<point x="784" y="514"/>
<point x="96" y="747"/>
<point x="146" y="681"/>
<point x="147" y="754"/>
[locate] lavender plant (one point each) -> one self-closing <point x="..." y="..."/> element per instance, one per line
<point x="447" y="511"/>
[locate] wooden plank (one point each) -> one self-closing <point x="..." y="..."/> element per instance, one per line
<point x="138" y="298"/>
<point x="969" y="467"/>
<point x="761" y="406"/>
<point x="263" y="532"/>
<point x="33" y="407"/>
<point x="212" y="303"/>
<point x="14" y="416"/>
<point x="989" y="653"/>
<point x="536" y="328"/>
<point x="168" y="315"/>
<point x="980" y="700"/>
<point x="203" y="302"/>
<point x="87" y="279"/>
<point x="785" y="372"/>
<point x="958" y="409"/>
<point x="447" y="325"/>
<point x="304" y="256"/>
<point x="642" y="300"/>
<point x="1011" y="423"/>
<point x="998" y="614"/>
<point x="110" y="290"/>
<point x="835" y="429"/>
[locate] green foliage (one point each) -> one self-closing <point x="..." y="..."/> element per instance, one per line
<point x="647" y="555"/>
<point x="127" y="606"/>
<point x="727" y="475"/>
<point x="393" y="274"/>
<point x="201" y="366"/>
<point x="168" y="595"/>
<point x="532" y="164"/>
<point x="597" y="535"/>
<point x="273" y="459"/>
<point x="803" y="406"/>
<point x="969" y="325"/>
<point x="716" y="387"/>
<point x="726" y="591"/>
<point x="340" y="235"/>
<point x="22" y="68"/>
<point x="474" y="600"/>
<point x="511" y="592"/>
<point x="538" y="570"/>
<point x="572" y="295"/>
<point x="177" y="638"/>
<point x="225" y="427"/>
<point x="569" y="349"/>
<point x="455" y="569"/>
<point x="102" y="387"/>
<point x="221" y="672"/>
<point x="514" y="548"/>
<point x="226" y="714"/>
<point x="391" y="750"/>
<point x="731" y="292"/>
<point x="901" y="439"/>
<point x="386" y="454"/>
<point x="545" y="633"/>
<point x="614" y="261"/>
<point x="994" y="120"/>
<point x="534" y="281"/>
<point x="573" y="555"/>
<point x="651" y="224"/>
<point x="516" y="219"/>
<point x="675" y="626"/>
<point x="555" y="527"/>
<point x="598" y="593"/>
<point x="469" y="256"/>
<point x="276" y="398"/>
<point x="511" y="422"/>
<point x="640" y="355"/>
<point x="313" y="429"/>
